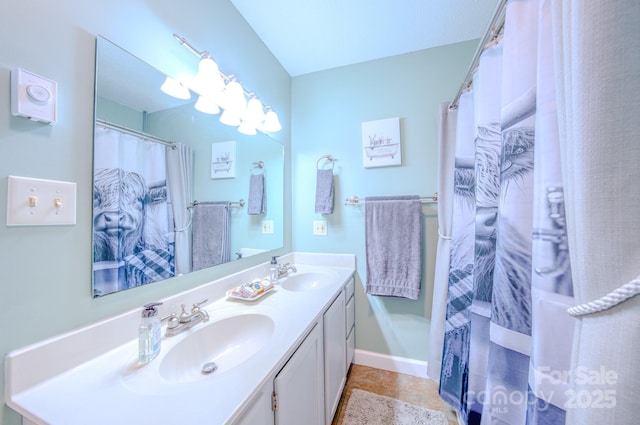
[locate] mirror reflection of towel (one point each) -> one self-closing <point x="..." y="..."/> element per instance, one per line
<point x="324" y="191"/>
<point x="211" y="234"/>
<point x="257" y="195"/>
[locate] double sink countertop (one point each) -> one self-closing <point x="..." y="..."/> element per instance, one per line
<point x="91" y="375"/>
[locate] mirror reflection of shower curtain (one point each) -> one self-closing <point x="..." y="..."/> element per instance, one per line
<point x="508" y="336"/>
<point x="132" y="243"/>
<point x="180" y="184"/>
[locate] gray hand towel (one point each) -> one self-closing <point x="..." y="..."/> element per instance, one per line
<point x="324" y="191"/>
<point x="211" y="234"/>
<point x="393" y="235"/>
<point x="257" y="195"/>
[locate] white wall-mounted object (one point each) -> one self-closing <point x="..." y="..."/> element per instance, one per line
<point x="267" y="227"/>
<point x="320" y="227"/>
<point x="33" y="96"/>
<point x="38" y="202"/>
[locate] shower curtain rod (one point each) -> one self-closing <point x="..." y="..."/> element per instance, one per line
<point x="135" y="133"/>
<point x="354" y="200"/>
<point x="493" y="30"/>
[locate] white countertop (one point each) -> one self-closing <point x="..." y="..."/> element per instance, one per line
<point x="90" y="376"/>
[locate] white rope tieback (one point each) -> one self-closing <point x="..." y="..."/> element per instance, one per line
<point x="444" y="236"/>
<point x="612" y="299"/>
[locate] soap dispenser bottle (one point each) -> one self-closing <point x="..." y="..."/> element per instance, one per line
<point x="149" y="333"/>
<point x="273" y="271"/>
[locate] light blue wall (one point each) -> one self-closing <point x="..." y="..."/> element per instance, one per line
<point x="45" y="272"/>
<point x="328" y="109"/>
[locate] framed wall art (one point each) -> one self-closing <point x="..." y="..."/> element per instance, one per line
<point x="223" y="160"/>
<point x="381" y="145"/>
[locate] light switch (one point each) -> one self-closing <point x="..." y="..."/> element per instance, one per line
<point x="320" y="227"/>
<point x="267" y="227"/>
<point x="38" y="202"/>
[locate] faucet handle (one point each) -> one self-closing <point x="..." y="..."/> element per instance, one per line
<point x="197" y="304"/>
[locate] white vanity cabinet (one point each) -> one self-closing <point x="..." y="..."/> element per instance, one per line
<point x="335" y="352"/>
<point x="308" y="388"/>
<point x="259" y="411"/>
<point x="298" y="388"/>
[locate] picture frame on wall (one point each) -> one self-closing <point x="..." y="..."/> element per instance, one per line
<point x="381" y="144"/>
<point x="223" y="160"/>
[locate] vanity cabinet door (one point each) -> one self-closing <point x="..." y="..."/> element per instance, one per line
<point x="299" y="387"/>
<point x="335" y="352"/>
<point x="259" y="411"/>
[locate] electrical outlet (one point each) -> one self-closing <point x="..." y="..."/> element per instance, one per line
<point x="267" y="227"/>
<point x="38" y="202"/>
<point x="320" y="227"/>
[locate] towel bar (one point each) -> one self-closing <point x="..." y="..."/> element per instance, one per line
<point x="238" y="204"/>
<point x="354" y="200"/>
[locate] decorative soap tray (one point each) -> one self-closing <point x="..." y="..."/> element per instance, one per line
<point x="237" y="294"/>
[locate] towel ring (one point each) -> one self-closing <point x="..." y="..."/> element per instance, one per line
<point x="257" y="165"/>
<point x="328" y="159"/>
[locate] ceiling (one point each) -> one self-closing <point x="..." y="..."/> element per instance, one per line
<point x="313" y="35"/>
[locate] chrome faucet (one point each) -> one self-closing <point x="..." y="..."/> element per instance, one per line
<point x="284" y="269"/>
<point x="179" y="324"/>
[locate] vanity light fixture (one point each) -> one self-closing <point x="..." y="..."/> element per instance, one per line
<point x="218" y="91"/>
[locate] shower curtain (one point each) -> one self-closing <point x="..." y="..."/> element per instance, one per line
<point x="133" y="243"/>
<point x="507" y="341"/>
<point x="179" y="185"/>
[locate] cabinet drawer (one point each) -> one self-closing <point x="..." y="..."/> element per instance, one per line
<point x="349" y="288"/>
<point x="351" y="314"/>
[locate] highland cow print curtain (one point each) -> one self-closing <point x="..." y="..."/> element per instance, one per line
<point x="132" y="241"/>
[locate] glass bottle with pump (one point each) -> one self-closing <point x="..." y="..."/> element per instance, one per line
<point x="273" y="270"/>
<point x="149" y="333"/>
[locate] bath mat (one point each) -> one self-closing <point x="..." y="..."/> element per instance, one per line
<point x="365" y="408"/>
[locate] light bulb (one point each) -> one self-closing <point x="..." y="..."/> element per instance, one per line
<point x="271" y="123"/>
<point x="230" y="118"/>
<point x="247" y="128"/>
<point x="173" y="88"/>
<point x="234" y="98"/>
<point x="209" y="75"/>
<point x="254" y="113"/>
<point x="207" y="106"/>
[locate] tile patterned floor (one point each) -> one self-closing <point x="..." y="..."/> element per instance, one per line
<point x="410" y="389"/>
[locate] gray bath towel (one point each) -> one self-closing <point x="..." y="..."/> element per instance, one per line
<point x="211" y="234"/>
<point x="257" y="195"/>
<point x="393" y="246"/>
<point x="324" y="192"/>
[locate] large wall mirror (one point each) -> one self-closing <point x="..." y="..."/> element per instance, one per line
<point x="175" y="190"/>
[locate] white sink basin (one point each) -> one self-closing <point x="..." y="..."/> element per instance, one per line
<point x="307" y="281"/>
<point x="227" y="343"/>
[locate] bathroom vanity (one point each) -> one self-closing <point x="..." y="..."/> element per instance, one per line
<point x="280" y="359"/>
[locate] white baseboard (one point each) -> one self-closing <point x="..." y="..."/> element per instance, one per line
<point x="392" y="363"/>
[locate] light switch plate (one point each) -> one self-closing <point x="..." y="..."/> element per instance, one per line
<point x="267" y="227"/>
<point x="38" y="202"/>
<point x="320" y="227"/>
